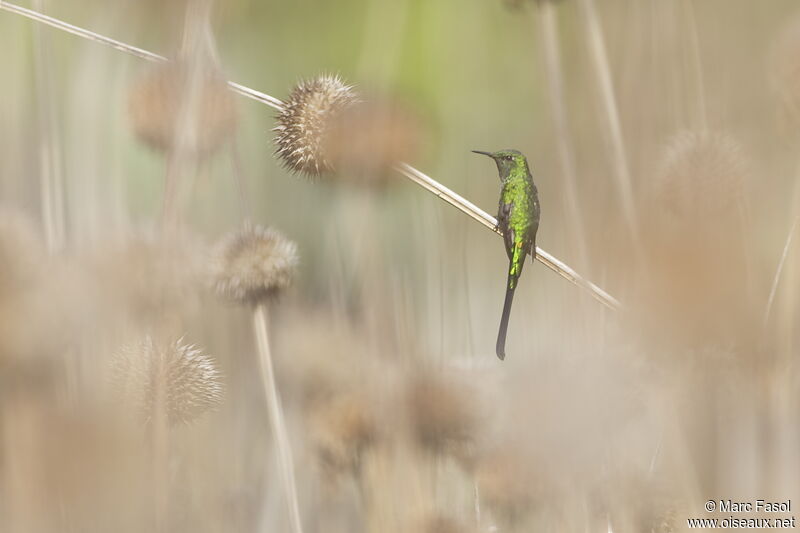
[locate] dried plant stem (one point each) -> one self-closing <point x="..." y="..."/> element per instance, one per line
<point x="127" y="48"/>
<point x="776" y="280"/>
<point x="602" y="72"/>
<point x="697" y="64"/>
<point x="548" y="30"/>
<point x="476" y="500"/>
<point x="160" y="463"/>
<point x="51" y="171"/>
<point x="406" y="170"/>
<point x="276" y="418"/>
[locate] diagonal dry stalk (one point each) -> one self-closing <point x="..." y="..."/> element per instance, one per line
<point x="778" y="271"/>
<point x="276" y="418"/>
<point x="421" y="179"/>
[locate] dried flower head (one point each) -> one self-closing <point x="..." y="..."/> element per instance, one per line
<point x="177" y="106"/>
<point x="505" y="483"/>
<point x="22" y="256"/>
<point x="174" y="376"/>
<point x="702" y="175"/>
<point x="305" y="123"/>
<point x="442" y="416"/>
<point x="253" y="264"/>
<point x="326" y="127"/>
<point x="342" y="430"/>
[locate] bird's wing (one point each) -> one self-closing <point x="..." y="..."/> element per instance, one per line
<point x="503" y="219"/>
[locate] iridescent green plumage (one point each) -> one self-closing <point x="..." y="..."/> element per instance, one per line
<point x="518" y="220"/>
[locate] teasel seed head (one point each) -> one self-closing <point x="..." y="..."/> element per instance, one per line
<point x="702" y="175"/>
<point x="326" y="128"/>
<point x="342" y="430"/>
<point x="159" y="101"/>
<point x="253" y="264"/>
<point x="174" y="376"/>
<point x="442" y="417"/>
<point x="305" y="123"/>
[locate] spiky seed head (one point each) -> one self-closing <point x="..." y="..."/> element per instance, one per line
<point x="701" y="175"/>
<point x="177" y="105"/>
<point x="253" y="264"/>
<point x="22" y="255"/>
<point x="174" y="376"/>
<point x="443" y="419"/>
<point x="305" y="123"/>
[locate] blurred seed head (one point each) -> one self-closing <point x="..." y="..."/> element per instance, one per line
<point x="702" y="178"/>
<point x="439" y="523"/>
<point x="697" y="233"/>
<point x="342" y="430"/>
<point x="323" y="366"/>
<point x="145" y="277"/>
<point x="173" y="107"/>
<point x="367" y="138"/>
<point x="506" y="483"/>
<point x="40" y="304"/>
<point x="442" y="416"/>
<point x="175" y="377"/>
<point x="305" y="123"/>
<point x="253" y="264"/>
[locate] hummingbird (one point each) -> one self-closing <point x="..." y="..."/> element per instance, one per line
<point x="518" y="221"/>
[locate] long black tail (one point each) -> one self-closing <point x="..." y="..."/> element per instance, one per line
<point x="501" y="335"/>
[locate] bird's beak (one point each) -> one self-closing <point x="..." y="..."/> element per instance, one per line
<point x="483" y="153"/>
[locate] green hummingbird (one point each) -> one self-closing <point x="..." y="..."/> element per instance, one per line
<point x="518" y="221"/>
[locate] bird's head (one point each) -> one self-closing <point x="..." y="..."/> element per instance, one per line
<point x="506" y="160"/>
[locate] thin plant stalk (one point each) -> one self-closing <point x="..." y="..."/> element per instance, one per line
<point x="160" y="462"/>
<point x="602" y="71"/>
<point x="697" y="64"/>
<point x="548" y="30"/>
<point x="421" y="179"/>
<point x="276" y="418"/>
<point x="51" y="169"/>
<point x="778" y="271"/>
<point x="198" y="45"/>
